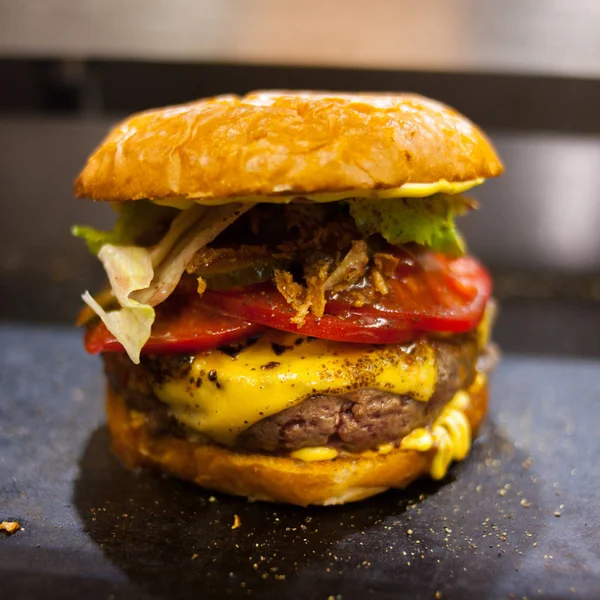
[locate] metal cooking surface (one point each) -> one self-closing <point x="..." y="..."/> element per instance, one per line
<point x="518" y="518"/>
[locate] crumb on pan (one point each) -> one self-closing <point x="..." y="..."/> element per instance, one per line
<point x="237" y="522"/>
<point x="10" y="527"/>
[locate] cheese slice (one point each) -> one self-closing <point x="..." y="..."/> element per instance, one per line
<point x="222" y="395"/>
<point x="408" y="190"/>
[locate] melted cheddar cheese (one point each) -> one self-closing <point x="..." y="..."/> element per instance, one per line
<point x="222" y="395"/>
<point x="408" y="190"/>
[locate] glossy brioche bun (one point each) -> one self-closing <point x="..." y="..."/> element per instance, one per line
<point x="271" y="478"/>
<point x="286" y="143"/>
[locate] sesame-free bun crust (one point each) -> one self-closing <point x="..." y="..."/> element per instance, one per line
<point x="285" y="143"/>
<point x="271" y="478"/>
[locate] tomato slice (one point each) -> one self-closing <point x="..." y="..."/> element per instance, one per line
<point x="267" y="306"/>
<point x="183" y="325"/>
<point x="436" y="294"/>
<point x="441" y="294"/>
<point x="428" y="292"/>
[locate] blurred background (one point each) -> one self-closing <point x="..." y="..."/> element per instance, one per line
<point x="528" y="71"/>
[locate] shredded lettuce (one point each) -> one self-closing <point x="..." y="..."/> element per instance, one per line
<point x="426" y="221"/>
<point x="129" y="268"/>
<point x="143" y="276"/>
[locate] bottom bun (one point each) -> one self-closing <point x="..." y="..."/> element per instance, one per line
<point x="344" y="479"/>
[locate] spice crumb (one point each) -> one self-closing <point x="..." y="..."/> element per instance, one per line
<point x="10" y="527"/>
<point x="237" y="522"/>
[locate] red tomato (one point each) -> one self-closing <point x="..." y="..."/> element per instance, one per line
<point x="437" y="294"/>
<point x="183" y="325"/>
<point x="267" y="306"/>
<point x="440" y="294"/>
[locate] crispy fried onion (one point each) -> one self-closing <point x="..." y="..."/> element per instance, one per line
<point x="385" y="263"/>
<point x="351" y="269"/>
<point x="384" y="267"/>
<point x="312" y="296"/>
<point x="314" y="240"/>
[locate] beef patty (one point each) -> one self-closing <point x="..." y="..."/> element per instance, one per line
<point x="354" y="421"/>
<point x="364" y="418"/>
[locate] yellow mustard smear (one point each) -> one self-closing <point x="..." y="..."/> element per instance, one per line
<point x="223" y="395"/>
<point x="419" y="439"/>
<point x="408" y="190"/>
<point x="450" y="435"/>
<point x="314" y="453"/>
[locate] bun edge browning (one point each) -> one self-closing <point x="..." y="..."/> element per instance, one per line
<point x="268" y="144"/>
<point x="272" y="478"/>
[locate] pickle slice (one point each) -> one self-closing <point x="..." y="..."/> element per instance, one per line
<point x="225" y="274"/>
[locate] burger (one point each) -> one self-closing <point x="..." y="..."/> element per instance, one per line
<point x="291" y="314"/>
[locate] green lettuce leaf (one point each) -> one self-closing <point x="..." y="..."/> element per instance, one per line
<point x="94" y="238"/>
<point x="140" y="223"/>
<point x="426" y="221"/>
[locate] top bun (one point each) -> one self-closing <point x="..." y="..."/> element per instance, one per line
<point x="286" y="143"/>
